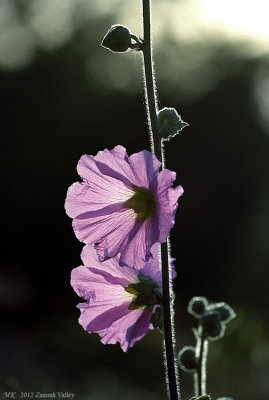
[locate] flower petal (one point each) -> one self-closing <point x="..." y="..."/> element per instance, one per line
<point x="145" y="166"/>
<point x="116" y="164"/>
<point x="153" y="270"/>
<point x="127" y="329"/>
<point x="139" y="242"/>
<point x="139" y="329"/>
<point x="167" y="202"/>
<point x="110" y="268"/>
<point x="108" y="229"/>
<point x="96" y="192"/>
<point x="98" y="289"/>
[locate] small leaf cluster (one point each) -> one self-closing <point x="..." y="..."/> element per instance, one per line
<point x="212" y="321"/>
<point x="213" y="317"/>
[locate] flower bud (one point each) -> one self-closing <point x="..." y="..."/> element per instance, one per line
<point x="187" y="359"/>
<point x="213" y="329"/>
<point x="226" y="312"/>
<point x="117" y="39"/>
<point x="170" y="123"/>
<point x="197" y="306"/>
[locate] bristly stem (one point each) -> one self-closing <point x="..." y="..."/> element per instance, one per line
<point x="156" y="143"/>
<point x="150" y="88"/>
<point x="201" y="354"/>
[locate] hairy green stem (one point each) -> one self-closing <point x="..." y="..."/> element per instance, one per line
<point x="150" y="89"/>
<point x="156" y="143"/>
<point x="200" y="374"/>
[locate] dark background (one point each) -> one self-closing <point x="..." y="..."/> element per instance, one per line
<point x="74" y="98"/>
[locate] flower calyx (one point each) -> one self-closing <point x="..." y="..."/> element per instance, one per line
<point x="147" y="293"/>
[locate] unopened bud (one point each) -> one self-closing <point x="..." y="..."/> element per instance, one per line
<point x="117" y="39"/>
<point x="226" y="312"/>
<point x="170" y="123"/>
<point x="187" y="359"/>
<point x="197" y="306"/>
<point x="213" y="329"/>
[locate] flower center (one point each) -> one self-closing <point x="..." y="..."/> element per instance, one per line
<point x="147" y="293"/>
<point x="142" y="202"/>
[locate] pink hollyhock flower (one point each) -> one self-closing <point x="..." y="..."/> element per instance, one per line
<point x="124" y="204"/>
<point x="120" y="301"/>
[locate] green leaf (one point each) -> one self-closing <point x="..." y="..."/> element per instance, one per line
<point x="170" y="123"/>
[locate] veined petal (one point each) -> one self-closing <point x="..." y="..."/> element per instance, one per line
<point x="116" y="164"/>
<point x="123" y="330"/>
<point x="110" y="268"/>
<point x="138" y="330"/>
<point x="82" y="199"/>
<point x="140" y="240"/>
<point x="96" y="192"/>
<point x="107" y="230"/>
<point x="167" y="202"/>
<point x="98" y="289"/>
<point x="145" y="166"/>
